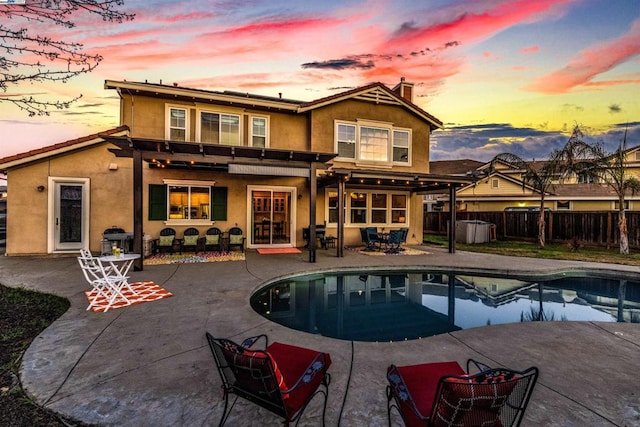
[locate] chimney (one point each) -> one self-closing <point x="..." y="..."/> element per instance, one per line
<point x="404" y="90"/>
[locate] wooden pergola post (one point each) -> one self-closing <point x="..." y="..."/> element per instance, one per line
<point x="313" y="194"/>
<point x="340" y="243"/>
<point x="137" y="209"/>
<point x="452" y="219"/>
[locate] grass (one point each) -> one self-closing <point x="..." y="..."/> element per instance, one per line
<point x="565" y="251"/>
<point x="23" y="315"/>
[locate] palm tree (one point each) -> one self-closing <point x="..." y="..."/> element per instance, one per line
<point x="541" y="179"/>
<point x="592" y="162"/>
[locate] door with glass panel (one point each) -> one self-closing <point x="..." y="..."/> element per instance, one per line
<point x="69" y="213"/>
<point x="271" y="217"/>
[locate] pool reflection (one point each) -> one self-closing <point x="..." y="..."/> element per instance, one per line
<point x="404" y="306"/>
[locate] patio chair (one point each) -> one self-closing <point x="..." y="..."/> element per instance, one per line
<point x="166" y="240"/>
<point x="394" y="241"/>
<point x="213" y="239"/>
<point x="370" y="238"/>
<point x="107" y="283"/>
<point x="190" y="239"/>
<point x="281" y="378"/>
<point x="236" y="238"/>
<point x="442" y="394"/>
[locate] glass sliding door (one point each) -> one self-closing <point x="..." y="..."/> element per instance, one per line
<point x="271" y="217"/>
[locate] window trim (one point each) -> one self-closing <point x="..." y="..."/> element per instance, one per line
<point x="188" y="183"/>
<point x="369" y="208"/>
<point x="199" y="112"/>
<point x="267" y="127"/>
<point x="167" y="129"/>
<point x="363" y="123"/>
<point x="562" y="208"/>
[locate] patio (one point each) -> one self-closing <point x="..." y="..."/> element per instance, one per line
<point x="149" y="364"/>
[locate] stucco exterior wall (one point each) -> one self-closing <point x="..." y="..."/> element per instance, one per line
<point x="110" y="201"/>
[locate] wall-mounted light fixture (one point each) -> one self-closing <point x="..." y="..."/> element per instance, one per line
<point x="113" y="166"/>
<point x="40" y="188"/>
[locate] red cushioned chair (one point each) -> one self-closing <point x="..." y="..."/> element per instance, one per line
<point x="281" y="378"/>
<point x="443" y="394"/>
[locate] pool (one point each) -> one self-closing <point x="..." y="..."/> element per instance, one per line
<point x="401" y="305"/>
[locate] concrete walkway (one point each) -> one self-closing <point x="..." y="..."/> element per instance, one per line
<point x="149" y="364"/>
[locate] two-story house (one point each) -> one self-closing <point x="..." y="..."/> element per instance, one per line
<point x="185" y="157"/>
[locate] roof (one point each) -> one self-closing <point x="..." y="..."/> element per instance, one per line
<point x="374" y="92"/>
<point x="454" y="167"/>
<point x="62" y="147"/>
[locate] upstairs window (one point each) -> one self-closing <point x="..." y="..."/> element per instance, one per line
<point x="177" y="124"/>
<point x="367" y="142"/>
<point x="219" y="128"/>
<point x="259" y="132"/>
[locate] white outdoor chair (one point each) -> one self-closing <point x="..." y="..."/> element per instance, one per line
<point x="106" y="282"/>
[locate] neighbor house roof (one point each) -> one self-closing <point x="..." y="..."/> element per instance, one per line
<point x="62" y="147"/>
<point x="454" y="167"/>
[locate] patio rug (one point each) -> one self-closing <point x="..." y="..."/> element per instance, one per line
<point x="268" y="251"/>
<point x="188" y="258"/>
<point x="407" y="251"/>
<point x="146" y="291"/>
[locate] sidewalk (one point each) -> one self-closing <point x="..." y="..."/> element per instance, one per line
<point x="149" y="364"/>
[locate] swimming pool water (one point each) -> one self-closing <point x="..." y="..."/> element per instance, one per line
<point x="397" y="305"/>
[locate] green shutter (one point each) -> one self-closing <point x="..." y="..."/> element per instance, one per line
<point x="219" y="203"/>
<point x="157" y="202"/>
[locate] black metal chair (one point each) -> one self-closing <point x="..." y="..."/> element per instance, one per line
<point x="213" y="239"/>
<point x="370" y="238"/>
<point x="443" y="394"/>
<point x="279" y="377"/>
<point x="190" y="239"/>
<point x="236" y="238"/>
<point x="394" y="241"/>
<point x="166" y="240"/>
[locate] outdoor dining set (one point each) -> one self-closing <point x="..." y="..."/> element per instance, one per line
<point x="390" y="242"/>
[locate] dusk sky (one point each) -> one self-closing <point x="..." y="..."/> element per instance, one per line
<point x="502" y="75"/>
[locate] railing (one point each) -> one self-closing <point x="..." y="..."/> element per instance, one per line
<point x="592" y="228"/>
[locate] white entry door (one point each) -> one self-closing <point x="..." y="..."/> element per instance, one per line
<point x="68" y="230"/>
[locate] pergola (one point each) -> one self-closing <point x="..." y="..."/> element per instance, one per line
<point x="270" y="162"/>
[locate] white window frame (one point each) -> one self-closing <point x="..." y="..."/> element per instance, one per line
<point x="616" y="205"/>
<point x="168" y="127"/>
<point x="267" y="127"/>
<point x="393" y="145"/>
<point x="495" y="183"/>
<point x="369" y="208"/>
<point x="187" y="183"/>
<point x="361" y="123"/>
<point x="220" y="113"/>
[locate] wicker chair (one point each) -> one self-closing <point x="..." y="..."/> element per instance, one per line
<point x="281" y="378"/>
<point x="190" y="239"/>
<point x="213" y="239"/>
<point x="236" y="238"/>
<point x="442" y="394"/>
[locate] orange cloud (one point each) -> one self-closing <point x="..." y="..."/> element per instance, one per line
<point x="589" y="63"/>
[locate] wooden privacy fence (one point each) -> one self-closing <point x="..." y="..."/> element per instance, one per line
<point x="591" y="228"/>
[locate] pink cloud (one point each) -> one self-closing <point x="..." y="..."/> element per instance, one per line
<point x="530" y="49"/>
<point x="470" y="27"/>
<point x="589" y="63"/>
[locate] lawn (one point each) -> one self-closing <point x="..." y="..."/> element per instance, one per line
<point x="23" y="315"/>
<point x="564" y="251"/>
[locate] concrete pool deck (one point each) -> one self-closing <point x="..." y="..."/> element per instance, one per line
<point x="149" y="364"/>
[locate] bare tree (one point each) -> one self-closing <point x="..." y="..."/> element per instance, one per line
<point x="593" y="163"/>
<point x="27" y="58"/>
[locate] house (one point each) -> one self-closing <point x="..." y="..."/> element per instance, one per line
<point x="500" y="187"/>
<point x="272" y="166"/>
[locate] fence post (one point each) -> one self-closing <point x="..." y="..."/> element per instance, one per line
<point x="550" y="227"/>
<point x="609" y="230"/>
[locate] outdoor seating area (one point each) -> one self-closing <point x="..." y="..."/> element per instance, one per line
<point x="389" y="242"/>
<point x="192" y="241"/>
<point x="279" y="377"/>
<point x="445" y="394"/>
